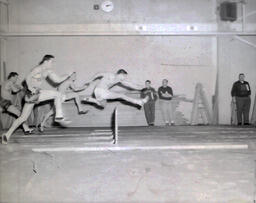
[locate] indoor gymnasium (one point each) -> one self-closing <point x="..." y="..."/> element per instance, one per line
<point x="128" y="101"/>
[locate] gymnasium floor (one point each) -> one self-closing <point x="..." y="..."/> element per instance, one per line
<point x="149" y="164"/>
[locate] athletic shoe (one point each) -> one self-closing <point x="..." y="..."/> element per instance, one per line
<point x="83" y="112"/>
<point x="4" y="139"/>
<point x="89" y="100"/>
<point x="40" y="128"/>
<point x="62" y="121"/>
<point x="29" y="132"/>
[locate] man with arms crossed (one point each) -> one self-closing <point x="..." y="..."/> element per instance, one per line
<point x="165" y="96"/>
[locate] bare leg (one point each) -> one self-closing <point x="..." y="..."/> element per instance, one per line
<point x="114" y="95"/>
<point x="92" y="100"/>
<point x="58" y="99"/>
<point x="56" y="96"/>
<point x="26" y="111"/>
<point x="76" y="97"/>
<point x="46" y="117"/>
<point x="13" y="109"/>
<point x="106" y="94"/>
<point x="78" y="104"/>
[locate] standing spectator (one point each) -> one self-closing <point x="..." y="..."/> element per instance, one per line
<point x="165" y="96"/>
<point x="241" y="92"/>
<point x="149" y="107"/>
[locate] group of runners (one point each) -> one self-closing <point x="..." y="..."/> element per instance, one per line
<point x="34" y="94"/>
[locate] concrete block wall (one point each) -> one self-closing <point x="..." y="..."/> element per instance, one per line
<point x="128" y="115"/>
<point x="235" y="57"/>
<point x="184" y="60"/>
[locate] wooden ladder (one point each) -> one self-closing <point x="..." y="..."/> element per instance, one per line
<point x="201" y="109"/>
<point x="253" y="118"/>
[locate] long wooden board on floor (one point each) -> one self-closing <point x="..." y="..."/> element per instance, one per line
<point x="144" y="148"/>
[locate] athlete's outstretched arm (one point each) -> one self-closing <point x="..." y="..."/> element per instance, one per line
<point x="97" y="76"/>
<point x="56" y="78"/>
<point x="76" y="89"/>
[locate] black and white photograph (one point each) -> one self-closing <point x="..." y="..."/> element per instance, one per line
<point x="128" y="101"/>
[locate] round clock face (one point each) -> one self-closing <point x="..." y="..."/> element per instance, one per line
<point x="107" y="6"/>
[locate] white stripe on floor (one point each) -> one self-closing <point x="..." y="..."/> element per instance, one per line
<point x="130" y="148"/>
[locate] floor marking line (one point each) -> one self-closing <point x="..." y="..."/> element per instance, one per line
<point x="130" y="148"/>
<point x="63" y="136"/>
<point x="101" y="133"/>
<point x="102" y="130"/>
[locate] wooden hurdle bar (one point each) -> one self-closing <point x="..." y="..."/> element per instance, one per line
<point x="115" y="129"/>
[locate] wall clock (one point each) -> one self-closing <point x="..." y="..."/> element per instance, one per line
<point x="107" y="6"/>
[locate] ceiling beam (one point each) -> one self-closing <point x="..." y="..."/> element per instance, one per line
<point x="4" y="1"/>
<point x="245" y="41"/>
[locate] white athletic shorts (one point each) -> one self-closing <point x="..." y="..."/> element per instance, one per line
<point x="63" y="97"/>
<point x="101" y="94"/>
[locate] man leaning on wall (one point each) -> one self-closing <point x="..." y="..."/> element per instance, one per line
<point x="241" y="96"/>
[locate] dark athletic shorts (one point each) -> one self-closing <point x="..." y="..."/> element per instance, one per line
<point x="4" y="103"/>
<point x="32" y="98"/>
<point x="29" y="97"/>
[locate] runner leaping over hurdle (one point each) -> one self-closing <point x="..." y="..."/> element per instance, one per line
<point x="102" y="90"/>
<point x="69" y="91"/>
<point x="36" y="95"/>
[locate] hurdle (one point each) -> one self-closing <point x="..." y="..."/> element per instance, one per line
<point x="99" y="136"/>
<point x="115" y="128"/>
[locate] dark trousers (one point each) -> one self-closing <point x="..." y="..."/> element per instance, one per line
<point x="243" y="108"/>
<point x="149" y="109"/>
